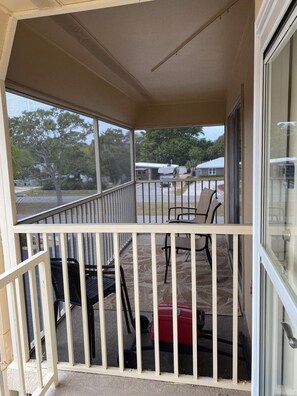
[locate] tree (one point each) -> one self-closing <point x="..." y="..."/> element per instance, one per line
<point x="170" y="144"/>
<point x="22" y="162"/>
<point x="217" y="149"/>
<point x="115" y="155"/>
<point x="54" y="138"/>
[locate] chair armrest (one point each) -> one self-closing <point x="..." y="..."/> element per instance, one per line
<point x="191" y="214"/>
<point x="178" y="221"/>
<point x="180" y="207"/>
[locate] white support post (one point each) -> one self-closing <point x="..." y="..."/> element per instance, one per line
<point x="133" y="170"/>
<point x="11" y="248"/>
<point x="97" y="155"/>
<point x="7" y="46"/>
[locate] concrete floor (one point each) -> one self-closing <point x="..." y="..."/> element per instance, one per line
<point x="78" y="384"/>
<point x="75" y="383"/>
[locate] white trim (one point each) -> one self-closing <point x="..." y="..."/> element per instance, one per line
<point x="71" y="8"/>
<point x="287" y="297"/>
<point x="118" y="228"/>
<point x="7" y="46"/>
<point x="269" y="18"/>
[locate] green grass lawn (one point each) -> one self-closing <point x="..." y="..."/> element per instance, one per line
<point x="37" y="192"/>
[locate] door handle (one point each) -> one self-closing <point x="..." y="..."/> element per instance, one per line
<point x="287" y="329"/>
<point x="286" y="234"/>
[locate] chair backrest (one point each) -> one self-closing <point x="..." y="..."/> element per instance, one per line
<point x="212" y="211"/>
<point x="204" y="205"/>
<point x="73" y="277"/>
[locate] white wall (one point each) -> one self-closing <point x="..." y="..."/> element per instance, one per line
<point x="240" y="86"/>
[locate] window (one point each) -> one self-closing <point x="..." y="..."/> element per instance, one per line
<point x="53" y="155"/>
<point x="212" y="171"/>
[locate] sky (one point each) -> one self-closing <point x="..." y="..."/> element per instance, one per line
<point x="17" y="104"/>
<point x="213" y="132"/>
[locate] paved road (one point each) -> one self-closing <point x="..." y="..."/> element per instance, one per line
<point x="154" y="192"/>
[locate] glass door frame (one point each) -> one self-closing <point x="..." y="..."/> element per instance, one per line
<point x="267" y="30"/>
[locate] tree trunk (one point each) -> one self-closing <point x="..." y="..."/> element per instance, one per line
<point x="57" y="184"/>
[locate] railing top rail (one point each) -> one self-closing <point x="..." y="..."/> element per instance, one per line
<point x="19" y="270"/>
<point x="190" y="179"/>
<point x="63" y="208"/>
<point x="212" y="229"/>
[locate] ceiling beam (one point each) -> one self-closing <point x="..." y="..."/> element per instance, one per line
<point x="70" y="24"/>
<point x="195" y="34"/>
<point x="61" y="8"/>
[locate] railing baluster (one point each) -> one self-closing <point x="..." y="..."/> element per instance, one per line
<point x="235" y="309"/>
<point x="137" y="303"/>
<point x="162" y="203"/>
<point x="156" y="204"/>
<point x="194" y="306"/>
<point x="195" y="192"/>
<point x="35" y="313"/>
<point x="1" y="384"/>
<point x="46" y="290"/>
<point x="155" y="304"/>
<point x="175" y="202"/>
<point x="214" y="308"/>
<point x="174" y="305"/>
<point x="188" y="191"/>
<point x="67" y="299"/>
<point x="18" y="339"/>
<point x="118" y="300"/>
<point x="83" y="298"/>
<point x="149" y="198"/>
<point x="100" y="262"/>
<point x="36" y="324"/>
<point x="181" y="193"/>
<point x="143" y="214"/>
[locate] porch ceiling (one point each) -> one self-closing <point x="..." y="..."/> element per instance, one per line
<point x="123" y="44"/>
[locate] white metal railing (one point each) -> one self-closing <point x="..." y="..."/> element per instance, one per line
<point x="152" y="230"/>
<point x="154" y="197"/>
<point x="45" y="371"/>
<point x="116" y="205"/>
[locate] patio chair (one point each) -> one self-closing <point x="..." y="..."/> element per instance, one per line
<point x="200" y="212"/>
<point x="91" y="291"/>
<point x="183" y="242"/>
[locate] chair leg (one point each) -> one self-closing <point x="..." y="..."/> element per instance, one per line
<point x="167" y="260"/>
<point x="125" y="311"/>
<point x="209" y="258"/>
<point x="91" y="325"/>
<point x="56" y="310"/>
<point x="126" y="295"/>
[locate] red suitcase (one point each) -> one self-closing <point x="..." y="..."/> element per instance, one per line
<point x="184" y="325"/>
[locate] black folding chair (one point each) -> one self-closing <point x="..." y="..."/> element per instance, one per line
<point x="91" y="291"/>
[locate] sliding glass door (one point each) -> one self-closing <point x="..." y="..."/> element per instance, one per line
<point x="278" y="258"/>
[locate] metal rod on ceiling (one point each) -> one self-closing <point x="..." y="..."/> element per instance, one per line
<point x="195" y="34"/>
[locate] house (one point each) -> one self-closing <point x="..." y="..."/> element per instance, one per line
<point x="214" y="167"/>
<point x="148" y="65"/>
<point x="150" y="170"/>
